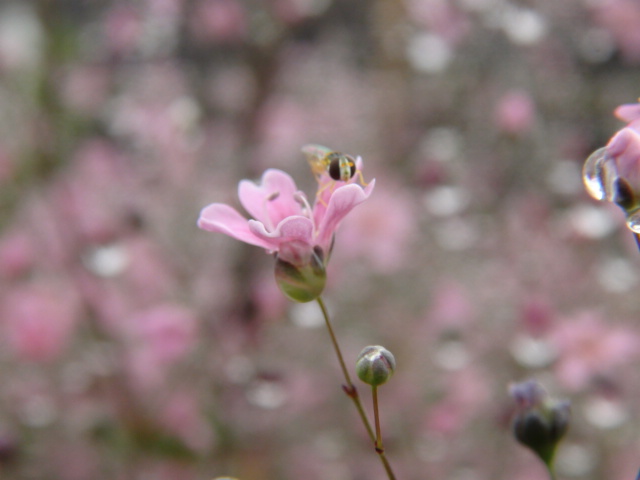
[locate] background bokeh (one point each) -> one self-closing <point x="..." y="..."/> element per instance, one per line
<point x="135" y="346"/>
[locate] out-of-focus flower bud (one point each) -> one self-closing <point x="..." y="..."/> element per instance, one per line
<point x="540" y="422"/>
<point x="301" y="278"/>
<point x="375" y="365"/>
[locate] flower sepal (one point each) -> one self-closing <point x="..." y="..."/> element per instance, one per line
<point x="300" y="272"/>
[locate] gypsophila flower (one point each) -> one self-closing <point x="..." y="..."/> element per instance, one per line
<point x="284" y="223"/>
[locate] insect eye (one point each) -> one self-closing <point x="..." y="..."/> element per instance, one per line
<point x="352" y="168"/>
<point x="341" y="167"/>
<point x="335" y="168"/>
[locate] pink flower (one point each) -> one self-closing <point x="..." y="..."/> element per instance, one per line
<point x="590" y="347"/>
<point x="612" y="172"/>
<point x="285" y="224"/>
<point x="283" y="220"/>
<point x="167" y="332"/>
<point x="515" y="112"/>
<point x="629" y="112"/>
<point x="620" y="18"/>
<point x="38" y="321"/>
<point x="624" y="149"/>
<point x="382" y="232"/>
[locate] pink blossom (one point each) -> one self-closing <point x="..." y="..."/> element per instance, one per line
<point x="219" y="20"/>
<point x="123" y="29"/>
<point x="17" y="254"/>
<point x="620" y="18"/>
<point x="166" y="331"/>
<point x="283" y="220"/>
<point x="381" y="232"/>
<point x="38" y="321"/>
<point x="515" y="112"/>
<point x="624" y="148"/>
<point x="629" y="112"/>
<point x="182" y="416"/>
<point x="589" y="347"/>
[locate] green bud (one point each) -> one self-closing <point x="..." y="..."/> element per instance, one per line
<point x="375" y="365"/>
<point x="301" y="281"/>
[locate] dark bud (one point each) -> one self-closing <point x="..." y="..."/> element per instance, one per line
<point x="540" y="422"/>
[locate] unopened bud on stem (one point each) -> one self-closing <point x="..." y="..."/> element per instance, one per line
<point x="540" y="422"/>
<point x="375" y="365"/>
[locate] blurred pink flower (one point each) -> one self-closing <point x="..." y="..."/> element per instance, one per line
<point x="515" y="112"/>
<point x="38" y="321"/>
<point x="17" y="254"/>
<point x="451" y="307"/>
<point x="182" y="415"/>
<point x="219" y="20"/>
<point x="629" y="112"/>
<point x="85" y="88"/>
<point x="284" y="221"/>
<point x="123" y="29"/>
<point x="590" y="347"/>
<point x="467" y="392"/>
<point x="167" y="332"/>
<point x="381" y="231"/>
<point x="159" y="337"/>
<point x="620" y="18"/>
<point x="624" y="148"/>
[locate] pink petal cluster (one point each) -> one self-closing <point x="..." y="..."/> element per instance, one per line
<point x="37" y="322"/>
<point x="590" y="348"/>
<point x="283" y="220"/>
<point x="624" y="146"/>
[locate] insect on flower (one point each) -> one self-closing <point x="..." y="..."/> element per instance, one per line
<point x="339" y="166"/>
<point x="336" y="165"/>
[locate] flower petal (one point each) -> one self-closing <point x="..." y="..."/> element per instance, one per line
<point x="624" y="146"/>
<point x="219" y="217"/>
<point x="294" y="228"/>
<point x="272" y="199"/>
<point x="342" y="201"/>
<point x="628" y="112"/>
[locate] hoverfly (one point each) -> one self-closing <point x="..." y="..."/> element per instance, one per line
<point x="339" y="166"/>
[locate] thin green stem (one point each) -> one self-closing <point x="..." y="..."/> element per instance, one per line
<point x="376" y="417"/>
<point x="352" y="392"/>
<point x="334" y="340"/>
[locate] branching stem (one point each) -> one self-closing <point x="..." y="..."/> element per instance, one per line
<point x="352" y="393"/>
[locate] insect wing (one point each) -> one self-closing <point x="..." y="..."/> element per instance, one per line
<point x="316" y="156"/>
<point x="315" y="152"/>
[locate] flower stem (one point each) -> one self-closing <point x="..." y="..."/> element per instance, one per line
<point x="352" y="392"/>
<point x="376" y="416"/>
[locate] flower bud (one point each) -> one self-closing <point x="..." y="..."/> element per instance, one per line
<point x="301" y="281"/>
<point x="375" y="365"/>
<point x="540" y="422"/>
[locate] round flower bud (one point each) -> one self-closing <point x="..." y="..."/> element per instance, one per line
<point x="301" y="280"/>
<point x="375" y="365"/>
